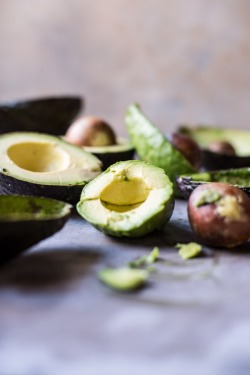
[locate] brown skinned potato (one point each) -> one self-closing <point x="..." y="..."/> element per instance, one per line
<point x="90" y="131"/>
<point x="219" y="214"/>
<point x="188" y="147"/>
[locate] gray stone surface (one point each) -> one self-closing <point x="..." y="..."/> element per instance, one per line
<point x="57" y="318"/>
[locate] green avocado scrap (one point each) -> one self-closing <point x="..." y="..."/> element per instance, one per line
<point x="124" y="278"/>
<point x="208" y="196"/>
<point x="153" y="147"/>
<point x="189" y="250"/>
<point x="145" y="260"/>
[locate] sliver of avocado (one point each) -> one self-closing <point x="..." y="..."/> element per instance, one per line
<point x="130" y="199"/>
<point x="153" y="147"/>
<point x="239" y="177"/>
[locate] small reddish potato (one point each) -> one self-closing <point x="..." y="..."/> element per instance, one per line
<point x="219" y="214"/>
<point x="188" y="148"/>
<point x="90" y="131"/>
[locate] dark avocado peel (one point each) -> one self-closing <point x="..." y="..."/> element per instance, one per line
<point x="238" y="177"/>
<point x="206" y="136"/>
<point x="130" y="199"/>
<point x="44" y="165"/>
<point x="108" y="155"/>
<point x="27" y="220"/>
<point x="153" y="147"/>
<point x="50" y="115"/>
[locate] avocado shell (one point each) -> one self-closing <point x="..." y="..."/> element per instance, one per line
<point x="109" y="155"/>
<point x="205" y="135"/>
<point x="51" y="115"/>
<point x="26" y="220"/>
<point x="238" y="177"/>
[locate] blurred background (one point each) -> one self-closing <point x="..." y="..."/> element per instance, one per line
<point x="183" y="61"/>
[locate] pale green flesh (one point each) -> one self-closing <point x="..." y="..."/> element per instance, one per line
<point x="14" y="208"/>
<point x="237" y="176"/>
<point x="129" y="199"/>
<point x="239" y="139"/>
<point x="152" y="146"/>
<point x="190" y="250"/>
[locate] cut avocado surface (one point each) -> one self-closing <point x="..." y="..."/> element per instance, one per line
<point x="44" y="165"/>
<point x="26" y="220"/>
<point x="121" y="151"/>
<point x="153" y="147"/>
<point x="239" y="177"/>
<point x="131" y="198"/>
<point x="205" y="136"/>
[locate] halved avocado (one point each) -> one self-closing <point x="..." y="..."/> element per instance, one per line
<point x="44" y="165"/>
<point x="131" y="198"/>
<point x="239" y="177"/>
<point x="121" y="151"/>
<point x="153" y="147"/>
<point x="205" y="136"/>
<point x="50" y="115"/>
<point x="26" y="220"/>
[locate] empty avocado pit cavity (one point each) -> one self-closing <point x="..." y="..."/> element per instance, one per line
<point x="131" y="199"/>
<point x="38" y="156"/>
<point x="124" y="195"/>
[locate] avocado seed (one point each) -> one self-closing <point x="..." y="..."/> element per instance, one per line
<point x="222" y="147"/>
<point x="188" y="148"/>
<point x="219" y="214"/>
<point x="90" y="131"/>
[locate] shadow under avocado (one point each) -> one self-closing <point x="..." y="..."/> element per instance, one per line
<point x="48" y="269"/>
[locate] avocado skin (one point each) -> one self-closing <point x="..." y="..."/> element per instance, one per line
<point x="51" y="115"/>
<point x="153" y="147"/>
<point x="109" y="158"/>
<point x="19" y="233"/>
<point x="13" y="186"/>
<point x="239" y="177"/>
<point x="213" y="161"/>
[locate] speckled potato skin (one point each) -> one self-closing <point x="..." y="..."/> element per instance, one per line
<point x="213" y="228"/>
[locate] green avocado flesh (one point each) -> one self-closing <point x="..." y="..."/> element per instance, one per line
<point x="239" y="177"/>
<point x="44" y="165"/>
<point x="204" y="136"/>
<point x="153" y="147"/>
<point x="18" y="208"/>
<point x="131" y="198"/>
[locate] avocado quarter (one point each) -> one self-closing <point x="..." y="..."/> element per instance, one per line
<point x="239" y="177"/>
<point x="153" y="147"/>
<point x="44" y="165"/>
<point x="26" y="220"/>
<point x="130" y="199"/>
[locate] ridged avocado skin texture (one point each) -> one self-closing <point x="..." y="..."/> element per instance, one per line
<point x="153" y="147"/>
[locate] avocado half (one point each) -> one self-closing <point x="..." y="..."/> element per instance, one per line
<point x="121" y="151"/>
<point x="205" y="135"/>
<point x="239" y="177"/>
<point x="130" y="199"/>
<point x="51" y="115"/>
<point x="44" y="165"/>
<point x="153" y="147"/>
<point x="26" y="220"/>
